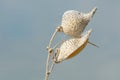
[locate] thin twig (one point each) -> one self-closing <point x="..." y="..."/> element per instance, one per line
<point x="52" y="66"/>
<point x="93" y="44"/>
<point x="49" y="53"/>
<point x="47" y="67"/>
<point x="58" y="29"/>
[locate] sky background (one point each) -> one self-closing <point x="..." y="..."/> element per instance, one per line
<point x="26" y="27"/>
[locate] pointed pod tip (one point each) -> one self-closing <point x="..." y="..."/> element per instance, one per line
<point x="93" y="10"/>
<point x="89" y="31"/>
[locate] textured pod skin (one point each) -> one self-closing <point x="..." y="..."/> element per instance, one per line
<point x="72" y="47"/>
<point x="74" y="22"/>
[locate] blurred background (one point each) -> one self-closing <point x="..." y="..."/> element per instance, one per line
<point x="26" y="27"/>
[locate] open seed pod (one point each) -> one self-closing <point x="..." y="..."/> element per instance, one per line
<point x="72" y="47"/>
<point x="74" y="22"/>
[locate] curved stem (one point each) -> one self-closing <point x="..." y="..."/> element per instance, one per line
<point x="50" y="51"/>
<point x="58" y="29"/>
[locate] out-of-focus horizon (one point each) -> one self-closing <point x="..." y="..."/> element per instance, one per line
<point x="26" y="27"/>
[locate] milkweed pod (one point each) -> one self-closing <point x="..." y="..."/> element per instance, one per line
<point x="72" y="47"/>
<point x="74" y="22"/>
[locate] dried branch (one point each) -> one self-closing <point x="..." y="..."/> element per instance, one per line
<point x="51" y="52"/>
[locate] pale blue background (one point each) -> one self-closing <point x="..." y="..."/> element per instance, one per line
<point x="27" y="25"/>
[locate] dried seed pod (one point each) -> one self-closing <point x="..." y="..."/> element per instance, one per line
<point x="74" y="22"/>
<point x="72" y="47"/>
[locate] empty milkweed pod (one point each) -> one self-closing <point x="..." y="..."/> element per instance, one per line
<point x="74" y="22"/>
<point x="72" y="47"/>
